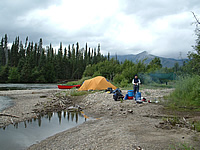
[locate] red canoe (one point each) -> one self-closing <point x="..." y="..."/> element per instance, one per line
<point x="68" y="86"/>
<point x="77" y="86"/>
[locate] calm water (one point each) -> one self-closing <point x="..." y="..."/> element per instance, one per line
<point x="24" y="134"/>
<point x="11" y="86"/>
<point x="5" y="102"/>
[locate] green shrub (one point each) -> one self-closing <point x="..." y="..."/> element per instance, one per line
<point x="96" y="73"/>
<point x="118" y="78"/>
<point x="186" y="93"/>
<point x="78" y="82"/>
<point x="124" y="83"/>
<point x="197" y="126"/>
<point x="75" y="92"/>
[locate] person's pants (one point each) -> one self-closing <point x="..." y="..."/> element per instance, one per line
<point x="135" y="89"/>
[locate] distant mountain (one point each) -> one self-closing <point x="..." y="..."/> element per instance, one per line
<point x="166" y="62"/>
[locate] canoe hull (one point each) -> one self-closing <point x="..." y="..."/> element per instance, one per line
<point x="68" y="86"/>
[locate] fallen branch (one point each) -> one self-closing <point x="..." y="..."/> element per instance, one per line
<point x="9" y="115"/>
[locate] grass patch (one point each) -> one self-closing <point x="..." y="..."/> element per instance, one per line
<point x="181" y="146"/>
<point x="186" y="95"/>
<point x="172" y="120"/>
<point x="74" y="92"/>
<point x="181" y="122"/>
<point x="196" y="126"/>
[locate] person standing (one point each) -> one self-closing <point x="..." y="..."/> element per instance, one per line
<point x="136" y="83"/>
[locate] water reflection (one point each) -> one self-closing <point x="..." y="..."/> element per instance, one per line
<point x="71" y="116"/>
<point x="23" y="134"/>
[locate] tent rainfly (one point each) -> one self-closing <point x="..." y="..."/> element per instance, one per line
<point x="97" y="83"/>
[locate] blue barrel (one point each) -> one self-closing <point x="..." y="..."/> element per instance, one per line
<point x="130" y="93"/>
<point x="138" y="96"/>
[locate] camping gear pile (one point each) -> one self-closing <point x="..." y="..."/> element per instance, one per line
<point x="130" y="96"/>
<point x="118" y="95"/>
<point x="109" y="90"/>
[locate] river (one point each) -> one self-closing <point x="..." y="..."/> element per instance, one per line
<point x="20" y="86"/>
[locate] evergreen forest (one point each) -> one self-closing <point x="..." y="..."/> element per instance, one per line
<point x="31" y="63"/>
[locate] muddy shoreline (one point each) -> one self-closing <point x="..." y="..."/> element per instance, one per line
<point x="116" y="125"/>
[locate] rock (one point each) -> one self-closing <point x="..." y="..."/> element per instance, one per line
<point x="137" y="148"/>
<point x="73" y="109"/>
<point x="130" y="111"/>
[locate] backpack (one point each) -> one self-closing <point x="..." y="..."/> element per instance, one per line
<point x="117" y="94"/>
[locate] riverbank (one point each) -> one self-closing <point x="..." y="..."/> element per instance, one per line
<point x="115" y="125"/>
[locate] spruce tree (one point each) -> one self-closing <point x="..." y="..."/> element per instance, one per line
<point x="2" y="54"/>
<point x="21" y="51"/>
<point x="6" y="47"/>
<point x="86" y="61"/>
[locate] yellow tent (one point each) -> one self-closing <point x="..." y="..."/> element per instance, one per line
<point x="97" y="83"/>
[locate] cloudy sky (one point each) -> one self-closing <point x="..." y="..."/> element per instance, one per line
<point x="160" y="27"/>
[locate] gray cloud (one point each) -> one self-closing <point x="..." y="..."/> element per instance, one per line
<point x="160" y="27"/>
<point x="13" y="26"/>
<point x="150" y="10"/>
<point x="19" y="7"/>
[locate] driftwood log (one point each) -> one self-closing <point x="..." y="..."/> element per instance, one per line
<point x="8" y="115"/>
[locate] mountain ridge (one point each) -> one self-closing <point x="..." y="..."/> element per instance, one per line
<point x="166" y="62"/>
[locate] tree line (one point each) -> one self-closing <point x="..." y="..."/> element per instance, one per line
<point x="31" y="63"/>
<point x="123" y="73"/>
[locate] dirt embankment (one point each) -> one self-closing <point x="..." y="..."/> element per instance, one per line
<point x="114" y="125"/>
